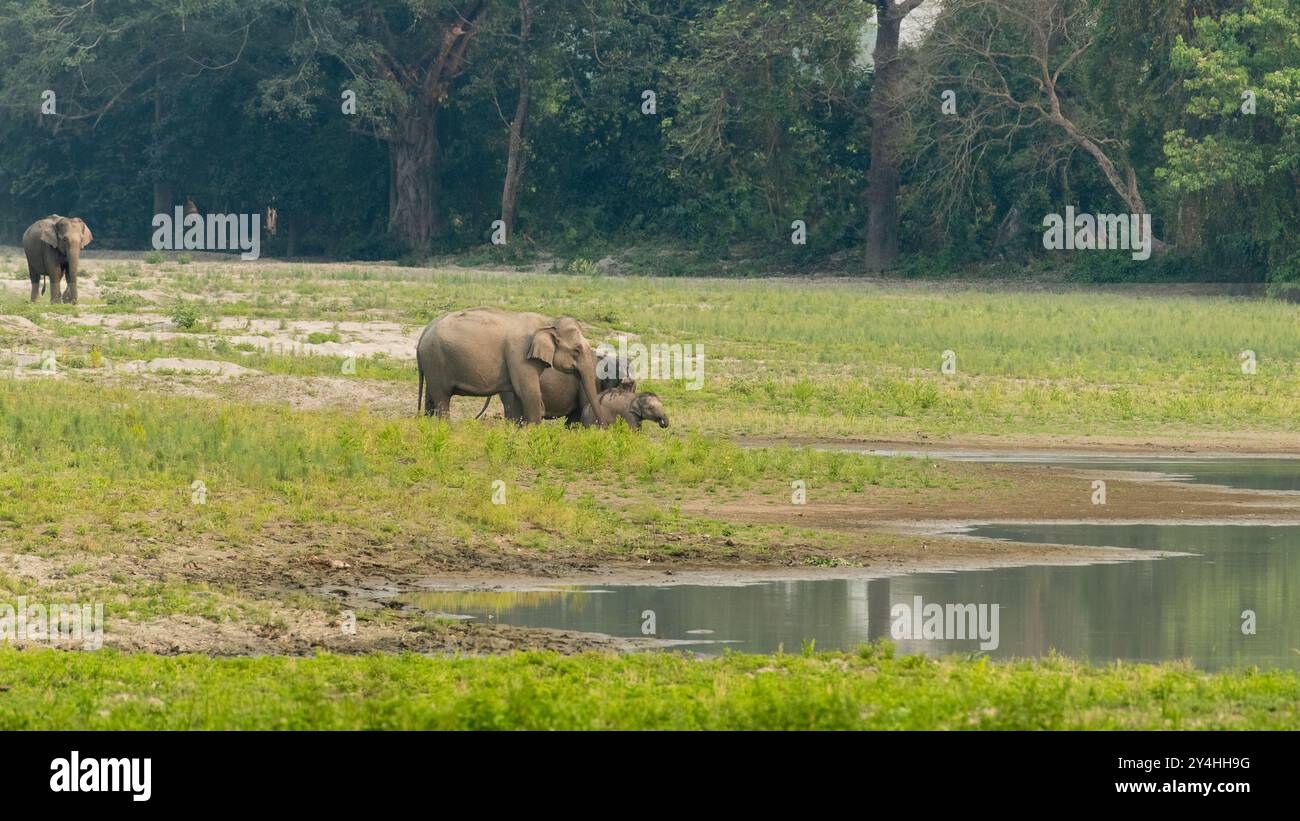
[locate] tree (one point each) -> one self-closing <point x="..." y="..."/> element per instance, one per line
<point x="154" y="55"/>
<point x="1241" y="141"/>
<point x="765" y="97"/>
<point x="1018" y="63"/>
<point x="403" y="58"/>
<point x="883" y="177"/>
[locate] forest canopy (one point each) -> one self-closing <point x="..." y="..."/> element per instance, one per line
<point x="917" y="136"/>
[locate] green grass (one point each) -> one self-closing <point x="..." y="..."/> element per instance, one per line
<point x="134" y="457"/>
<point x="826" y="357"/>
<point x="871" y="689"/>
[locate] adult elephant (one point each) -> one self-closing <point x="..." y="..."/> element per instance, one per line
<point x="53" y="248"/>
<point x="562" y="396"/>
<point x="486" y="351"/>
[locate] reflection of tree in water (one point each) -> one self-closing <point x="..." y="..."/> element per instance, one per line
<point x="468" y="602"/>
<point x="878" y="606"/>
<point x="1166" y="609"/>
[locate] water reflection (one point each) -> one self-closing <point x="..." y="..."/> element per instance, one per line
<point x="1181" y="607"/>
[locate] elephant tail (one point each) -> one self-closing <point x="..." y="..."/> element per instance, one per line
<point x="486" y="402"/>
<point x="419" y="400"/>
<point x="42" y="286"/>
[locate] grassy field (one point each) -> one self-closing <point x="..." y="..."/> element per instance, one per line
<point x="315" y="476"/>
<point x="871" y="689"/>
<point x="791" y="358"/>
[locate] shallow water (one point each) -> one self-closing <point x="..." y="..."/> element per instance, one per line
<point x="1181" y="607"/>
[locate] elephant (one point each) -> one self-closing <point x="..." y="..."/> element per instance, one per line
<point x="487" y="351"/>
<point x="53" y="248"/>
<point x="633" y="407"/>
<point x="561" y="395"/>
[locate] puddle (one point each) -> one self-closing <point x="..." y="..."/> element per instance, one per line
<point x="1229" y="597"/>
<point x="1183" y="607"/>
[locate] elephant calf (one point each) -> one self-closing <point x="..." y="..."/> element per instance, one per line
<point x="562" y="395"/>
<point x="634" y="407"/>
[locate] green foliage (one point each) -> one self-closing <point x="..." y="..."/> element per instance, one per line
<point x="760" y="121"/>
<point x="873" y="689"/>
<point x="185" y="315"/>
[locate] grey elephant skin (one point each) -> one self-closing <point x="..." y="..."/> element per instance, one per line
<point x="562" y="394"/>
<point x="53" y="248"/>
<point x="634" y="408"/>
<point x="487" y="351"/>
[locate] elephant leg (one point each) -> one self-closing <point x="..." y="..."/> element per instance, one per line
<point x="438" y="406"/>
<point x="510" y="406"/>
<point x="36" y="288"/>
<point x="437" y="400"/>
<point x="54" y="268"/>
<point x="70" y="294"/>
<point x="528" y="393"/>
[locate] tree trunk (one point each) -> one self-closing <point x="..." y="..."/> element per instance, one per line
<point x="413" y="150"/>
<point x="162" y="190"/>
<point x="515" y="152"/>
<point x="162" y="197"/>
<point x="882" y="177"/>
<point x="514" y="161"/>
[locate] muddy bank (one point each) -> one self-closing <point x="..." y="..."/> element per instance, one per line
<point x="1260" y="444"/>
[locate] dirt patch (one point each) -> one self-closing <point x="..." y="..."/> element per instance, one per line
<point x="297" y="633"/>
<point x="1198" y="443"/>
<point x="211" y="367"/>
<point x="20" y="324"/>
<point x="1040" y="492"/>
<point x="293" y="337"/>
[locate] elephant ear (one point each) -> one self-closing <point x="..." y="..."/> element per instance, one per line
<point x="48" y="236"/>
<point x="543" y="345"/>
<point x="85" y="233"/>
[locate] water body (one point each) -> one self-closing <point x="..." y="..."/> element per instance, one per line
<point x="1191" y="607"/>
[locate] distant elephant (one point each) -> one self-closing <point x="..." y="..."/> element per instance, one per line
<point x="634" y="407"/>
<point x="486" y="351"/>
<point x="53" y="247"/>
<point x="562" y="395"/>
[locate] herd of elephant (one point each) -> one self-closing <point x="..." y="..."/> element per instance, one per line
<point x="540" y="367"/>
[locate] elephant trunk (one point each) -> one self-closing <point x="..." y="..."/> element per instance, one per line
<point x="587" y="386"/>
<point x="74" y="262"/>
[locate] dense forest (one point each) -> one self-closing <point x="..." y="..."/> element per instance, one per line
<point x="916" y="136"/>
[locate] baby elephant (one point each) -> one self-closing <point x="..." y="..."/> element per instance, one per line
<point x="632" y="406"/>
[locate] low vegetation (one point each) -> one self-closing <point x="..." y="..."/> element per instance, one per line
<point x="871" y="689"/>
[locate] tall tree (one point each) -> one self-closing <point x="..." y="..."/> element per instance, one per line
<point x="883" y="176"/>
<point x="1240" y="144"/>
<point x="98" y="60"/>
<point x="515" y="153"/>
<point x="404" y="57"/>
<point x="1019" y="66"/>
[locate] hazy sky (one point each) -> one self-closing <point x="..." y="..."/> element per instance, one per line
<point x="914" y="26"/>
